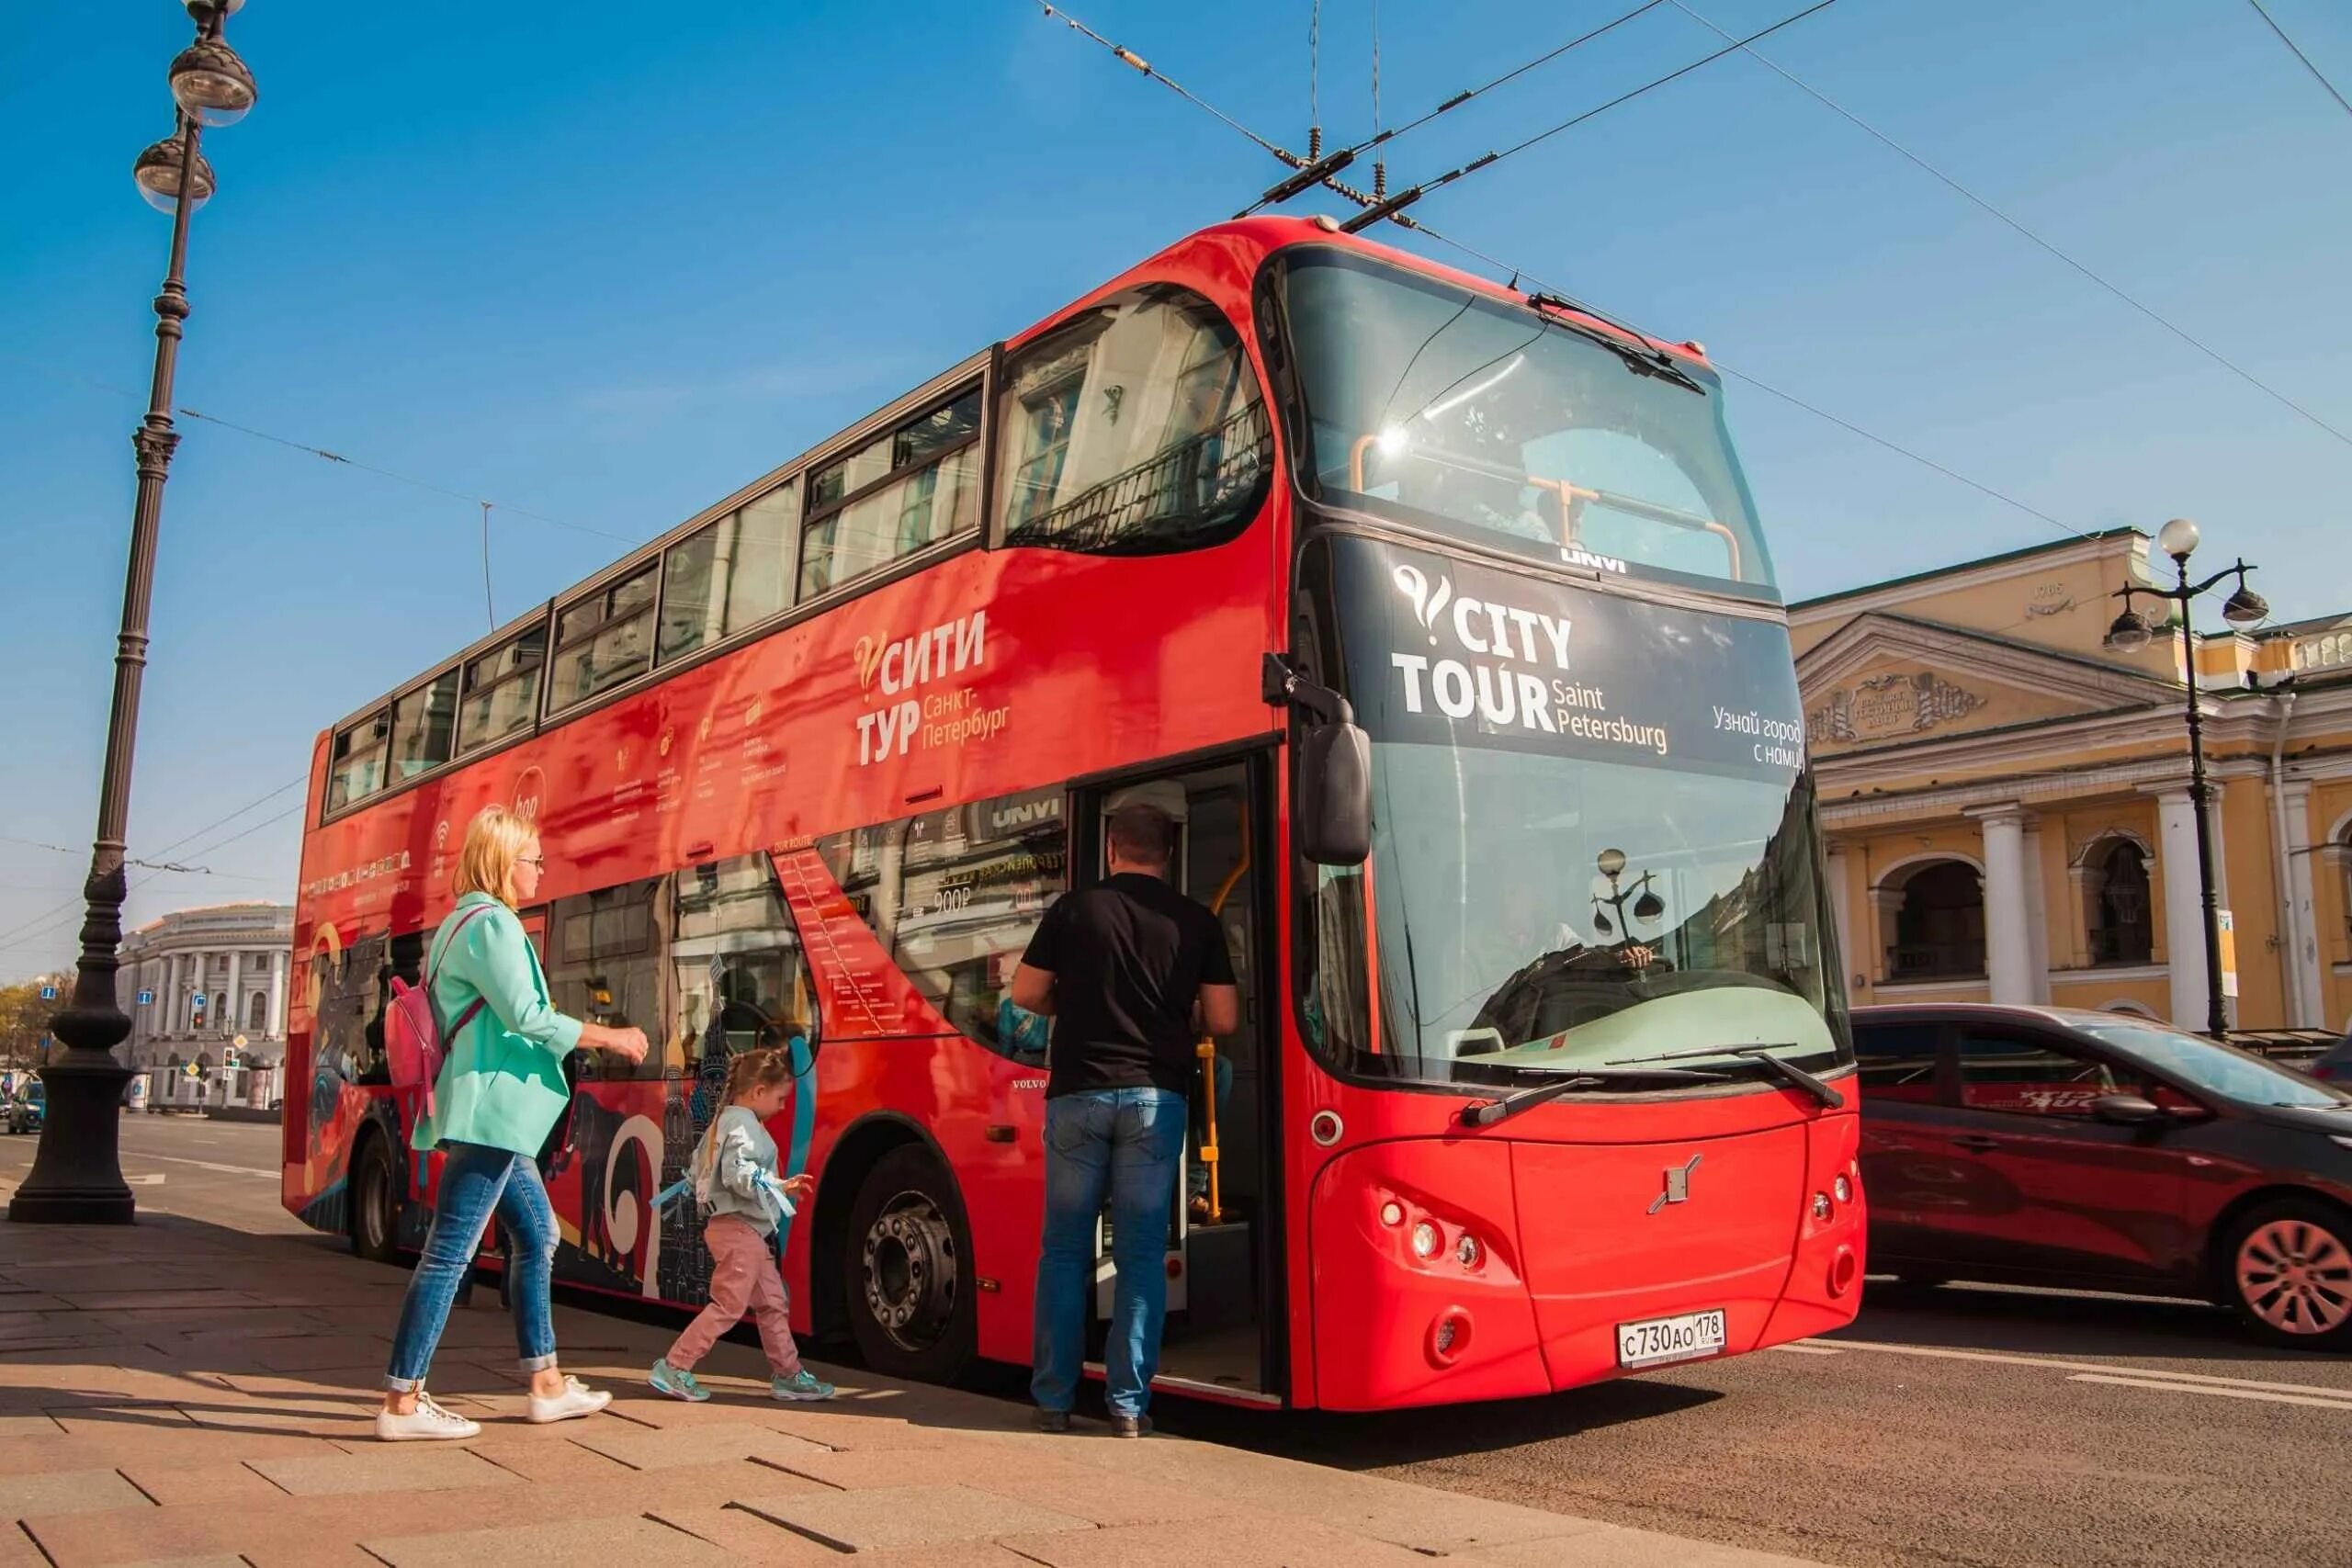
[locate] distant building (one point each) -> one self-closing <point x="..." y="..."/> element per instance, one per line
<point x="209" y="976"/>
<point x="2006" y="803"/>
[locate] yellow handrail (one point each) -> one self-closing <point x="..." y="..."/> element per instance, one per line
<point x="1207" y="1049"/>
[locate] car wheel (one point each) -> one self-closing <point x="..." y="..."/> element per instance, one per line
<point x="375" y="1196"/>
<point x="2287" y="1269"/>
<point x="908" y="1265"/>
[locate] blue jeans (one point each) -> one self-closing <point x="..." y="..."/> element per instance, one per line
<point x="476" y="1182"/>
<point x="1122" y="1143"/>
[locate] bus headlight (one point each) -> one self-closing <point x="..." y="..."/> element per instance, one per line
<point x="1466" y="1251"/>
<point x="1843" y="1190"/>
<point x="1392" y="1214"/>
<point x="1821" y="1205"/>
<point x="1425" y="1240"/>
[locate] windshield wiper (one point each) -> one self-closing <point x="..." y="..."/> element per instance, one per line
<point x="1639" y="357"/>
<point x="1788" y="1072"/>
<point x="1486" y="1112"/>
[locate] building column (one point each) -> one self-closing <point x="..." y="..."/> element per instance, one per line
<point x="277" y="972"/>
<point x="2036" y="904"/>
<point x="167" y="1000"/>
<point x="232" y="1024"/>
<point x="2184" y="911"/>
<point x="2306" y="1004"/>
<point x="1840" y="923"/>
<point x="2008" y="917"/>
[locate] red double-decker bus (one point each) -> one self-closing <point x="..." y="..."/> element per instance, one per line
<point x="1445" y="608"/>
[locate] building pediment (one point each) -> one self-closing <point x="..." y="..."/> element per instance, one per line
<point x="1884" y="678"/>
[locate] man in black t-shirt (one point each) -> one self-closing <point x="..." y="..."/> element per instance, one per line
<point x="1131" y="972"/>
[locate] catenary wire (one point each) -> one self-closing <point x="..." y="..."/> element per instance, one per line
<point x="2232" y="366"/>
<point x="2296" y="50"/>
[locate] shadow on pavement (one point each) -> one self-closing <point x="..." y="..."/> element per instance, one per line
<point x="2063" y="1322"/>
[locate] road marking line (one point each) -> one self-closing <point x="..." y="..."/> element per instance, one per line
<point x="1806" y="1350"/>
<point x="154" y="1180"/>
<point x="207" y="1165"/>
<point x="2344" y="1403"/>
<point x="2103" y="1369"/>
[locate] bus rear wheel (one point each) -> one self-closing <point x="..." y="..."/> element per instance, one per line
<point x="374" y="1201"/>
<point x="908" y="1270"/>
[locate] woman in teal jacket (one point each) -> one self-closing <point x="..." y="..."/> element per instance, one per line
<point x="499" y="1094"/>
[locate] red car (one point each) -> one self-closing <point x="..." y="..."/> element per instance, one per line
<point x="2091" y="1150"/>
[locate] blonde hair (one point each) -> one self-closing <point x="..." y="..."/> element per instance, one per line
<point x="495" y="841"/>
<point x="752" y="1069"/>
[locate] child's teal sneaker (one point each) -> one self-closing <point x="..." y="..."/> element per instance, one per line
<point x="803" y="1384"/>
<point x="667" y="1379"/>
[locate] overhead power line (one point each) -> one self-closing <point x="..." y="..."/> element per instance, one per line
<point x="62" y="374"/>
<point x="1404" y="199"/>
<point x="2232" y="365"/>
<point x="1137" y="62"/>
<point x="1517" y="274"/>
<point x="2297" y="50"/>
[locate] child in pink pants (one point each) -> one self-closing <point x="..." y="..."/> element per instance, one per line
<point x="736" y="1181"/>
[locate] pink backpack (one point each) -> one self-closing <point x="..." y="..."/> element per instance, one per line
<point x="412" y="1038"/>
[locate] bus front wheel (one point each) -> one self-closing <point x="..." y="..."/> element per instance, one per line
<point x="908" y="1265"/>
<point x="374" y="1201"/>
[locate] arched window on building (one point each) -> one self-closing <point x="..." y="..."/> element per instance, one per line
<point x="1939" y="923"/>
<point x="257" y="1013"/>
<point x="2116" y="901"/>
<point x="221" y="1018"/>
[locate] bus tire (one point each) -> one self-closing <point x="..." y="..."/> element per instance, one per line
<point x="907" y="1263"/>
<point x="374" y="1201"/>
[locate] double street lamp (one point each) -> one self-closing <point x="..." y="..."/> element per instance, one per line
<point x="78" y="1173"/>
<point x="2131" y="632"/>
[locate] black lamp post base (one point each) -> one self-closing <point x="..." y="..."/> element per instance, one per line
<point x="76" y="1178"/>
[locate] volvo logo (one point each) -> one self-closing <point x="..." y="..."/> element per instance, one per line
<point x="1678" y="1185"/>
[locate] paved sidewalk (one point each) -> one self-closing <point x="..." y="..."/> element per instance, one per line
<point x="176" y="1391"/>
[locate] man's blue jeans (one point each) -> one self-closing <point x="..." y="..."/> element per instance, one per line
<point x="1122" y="1144"/>
<point x="476" y="1182"/>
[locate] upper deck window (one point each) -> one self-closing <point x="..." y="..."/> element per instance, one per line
<point x="501" y="696"/>
<point x="1136" y="429"/>
<point x="913" y="487"/>
<point x="425" y="726"/>
<point x="602" y="640"/>
<point x="1501" y="425"/>
<point x="355" y="768"/>
<point x="731" y="574"/>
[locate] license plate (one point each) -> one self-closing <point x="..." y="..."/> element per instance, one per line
<point x="1662" y="1339"/>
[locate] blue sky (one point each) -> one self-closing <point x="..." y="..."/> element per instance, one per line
<point x="606" y="264"/>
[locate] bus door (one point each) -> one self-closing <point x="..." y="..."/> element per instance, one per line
<point x="1216" y="1313"/>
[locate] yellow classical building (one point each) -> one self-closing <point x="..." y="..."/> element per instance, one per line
<point x="2005" y="798"/>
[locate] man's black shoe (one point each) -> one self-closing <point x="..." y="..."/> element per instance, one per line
<point x="1053" y="1420"/>
<point x="1131" y="1426"/>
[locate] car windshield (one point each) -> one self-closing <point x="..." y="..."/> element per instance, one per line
<point x="1495" y="424"/>
<point x="1593" y="835"/>
<point x="2219" y="1069"/>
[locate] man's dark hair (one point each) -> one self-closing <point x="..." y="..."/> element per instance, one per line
<point x="1142" y="836"/>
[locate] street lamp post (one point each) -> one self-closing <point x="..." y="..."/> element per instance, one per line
<point x="2130" y="634"/>
<point x="78" y="1172"/>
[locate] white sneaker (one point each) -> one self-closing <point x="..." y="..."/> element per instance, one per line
<point x="576" y="1399"/>
<point x="427" y="1422"/>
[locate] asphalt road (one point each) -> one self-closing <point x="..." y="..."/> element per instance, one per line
<point x="1972" y="1427"/>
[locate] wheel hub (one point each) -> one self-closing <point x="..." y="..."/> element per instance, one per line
<point x="2296" y="1277"/>
<point x="911" y="1270"/>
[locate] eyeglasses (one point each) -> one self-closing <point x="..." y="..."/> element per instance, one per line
<point x="539" y="860"/>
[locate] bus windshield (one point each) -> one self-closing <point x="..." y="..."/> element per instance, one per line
<point x="1501" y="425"/>
<point x="1594" y="840"/>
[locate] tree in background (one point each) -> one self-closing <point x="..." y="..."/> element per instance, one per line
<point x="25" y="1018"/>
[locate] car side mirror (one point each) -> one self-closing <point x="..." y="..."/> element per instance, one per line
<point x="1331" y="782"/>
<point x="2126" y="1109"/>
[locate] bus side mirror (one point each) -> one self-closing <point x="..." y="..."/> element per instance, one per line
<point x="1332" y="796"/>
<point x="1331" y="787"/>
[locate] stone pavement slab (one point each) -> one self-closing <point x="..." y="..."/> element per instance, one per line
<point x="385" y="1467"/>
<point x="68" y="1492"/>
<point x="223" y="1484"/>
<point x="643" y="1449"/>
<point x="1276" y="1543"/>
<point x="638" y="1542"/>
<point x="891" y="1518"/>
